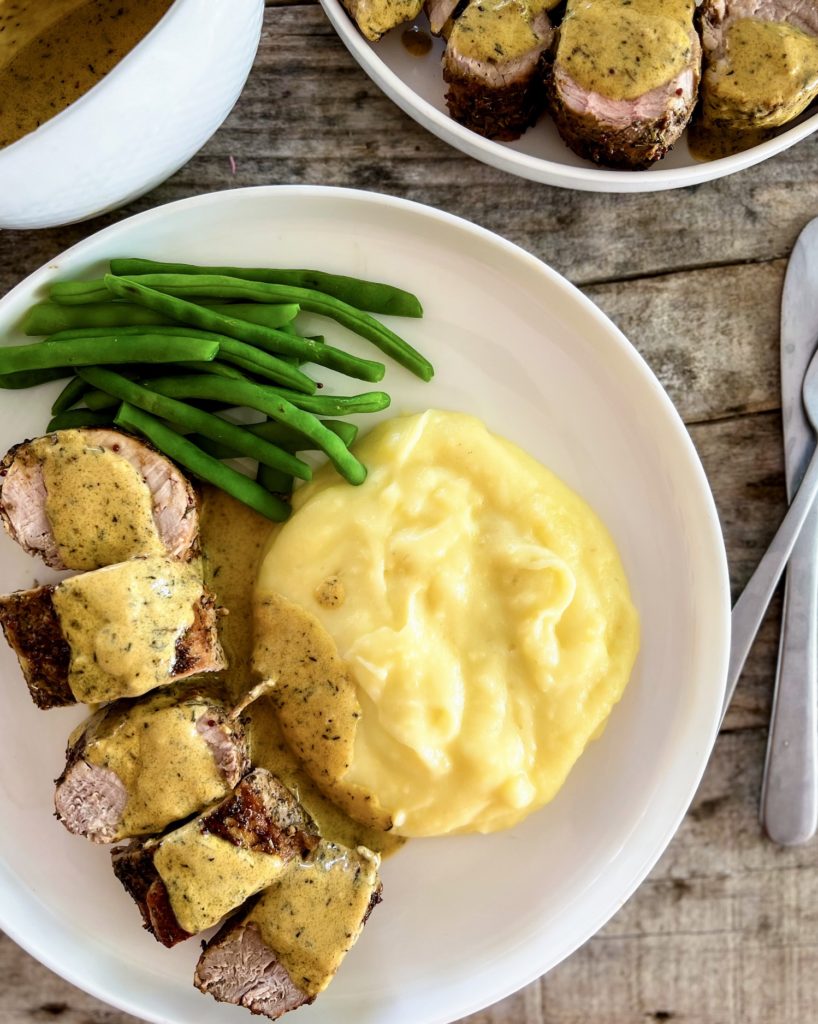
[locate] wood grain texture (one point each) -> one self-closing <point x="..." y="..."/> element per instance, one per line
<point x="724" y="931"/>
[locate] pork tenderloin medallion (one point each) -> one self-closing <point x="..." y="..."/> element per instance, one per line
<point x="136" y="766"/>
<point x="374" y="17"/>
<point x="760" y="69"/>
<point x="624" y="79"/>
<point x="82" y="499"/>
<point x="116" y="632"/>
<point x="287" y="948"/>
<point x="491" y="65"/>
<point x="189" y="879"/>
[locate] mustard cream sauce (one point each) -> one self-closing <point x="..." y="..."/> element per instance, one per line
<point x="233" y="538"/>
<point x="156" y="750"/>
<point x="312" y="916"/>
<point x="623" y="49"/>
<point x="498" y="30"/>
<point x="53" y="51"/>
<point x="206" y="877"/>
<point x="98" y="505"/>
<point x="122" y="624"/>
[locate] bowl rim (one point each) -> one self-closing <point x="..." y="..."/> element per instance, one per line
<point x="586" y="178"/>
<point x="90" y="94"/>
<point x="719" y="626"/>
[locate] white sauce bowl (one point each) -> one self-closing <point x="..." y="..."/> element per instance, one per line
<point x="137" y="126"/>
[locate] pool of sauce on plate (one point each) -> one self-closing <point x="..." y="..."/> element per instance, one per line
<point x="416" y="41"/>
<point x="233" y="538"/>
<point x="54" y="51"/>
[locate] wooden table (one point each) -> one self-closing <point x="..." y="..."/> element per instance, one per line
<point x="725" y="929"/>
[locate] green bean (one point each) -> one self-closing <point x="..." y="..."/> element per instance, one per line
<point x="70" y="395"/>
<point x="71" y="293"/>
<point x="202" y="286"/>
<point x="220" y="369"/>
<point x="281" y="435"/>
<point x="97" y="400"/>
<point x="264" y="364"/>
<point x="93" y="351"/>
<point x="31" y="378"/>
<point x="51" y="317"/>
<point x="372" y="295"/>
<point x="266" y="400"/>
<point x="188" y="417"/>
<point x="263" y="337"/>
<point x="337" y="405"/>
<point x="71" y="419"/>
<point x="201" y="464"/>
<point x="276" y="482"/>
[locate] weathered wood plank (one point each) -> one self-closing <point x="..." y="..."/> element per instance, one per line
<point x="310" y="114"/>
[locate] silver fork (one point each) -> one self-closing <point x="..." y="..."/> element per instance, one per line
<point x="751" y="606"/>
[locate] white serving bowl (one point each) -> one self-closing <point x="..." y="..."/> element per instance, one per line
<point x="141" y="123"/>
<point x="467" y="919"/>
<point x="416" y="85"/>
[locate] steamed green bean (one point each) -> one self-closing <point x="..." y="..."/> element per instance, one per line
<point x="46" y="355"/>
<point x="51" y="317"/>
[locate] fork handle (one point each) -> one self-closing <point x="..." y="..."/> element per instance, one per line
<point x="751" y="607"/>
<point x="789" y="794"/>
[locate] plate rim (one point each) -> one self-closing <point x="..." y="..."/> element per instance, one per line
<point x="721" y="602"/>
<point x="585" y="178"/>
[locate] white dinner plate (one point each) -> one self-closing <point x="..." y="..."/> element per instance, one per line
<point x="465" y="920"/>
<point x="416" y="85"/>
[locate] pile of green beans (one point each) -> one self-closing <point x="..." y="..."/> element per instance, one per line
<point x="165" y="350"/>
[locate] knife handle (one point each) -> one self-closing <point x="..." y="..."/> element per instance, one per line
<point x="789" y="795"/>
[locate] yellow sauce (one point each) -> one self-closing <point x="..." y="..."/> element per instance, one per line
<point x="498" y="30"/>
<point x="206" y="877"/>
<point x="53" y="51"/>
<point x="312" y="916"/>
<point x="487" y="628"/>
<point x="122" y="624"/>
<point x="166" y="766"/>
<point x="374" y="17"/>
<point x="233" y="537"/>
<point x="623" y="49"/>
<point x="767" y="76"/>
<point x="99" y="507"/>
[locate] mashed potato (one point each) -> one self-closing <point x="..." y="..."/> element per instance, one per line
<point x="448" y="637"/>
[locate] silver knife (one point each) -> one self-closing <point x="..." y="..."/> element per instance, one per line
<point x="789" y="795"/>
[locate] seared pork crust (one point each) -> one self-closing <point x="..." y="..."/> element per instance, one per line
<point x="32" y="629"/>
<point x="261" y="815"/>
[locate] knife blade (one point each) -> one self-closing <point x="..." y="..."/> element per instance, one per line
<point x="789" y="795"/>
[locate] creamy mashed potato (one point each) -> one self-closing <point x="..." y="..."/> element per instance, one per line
<point x="480" y="621"/>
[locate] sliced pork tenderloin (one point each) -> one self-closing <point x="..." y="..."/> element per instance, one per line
<point x="136" y="766"/>
<point x="190" y="878"/>
<point x="285" y="950"/>
<point x="374" y="17"/>
<point x="760" y="64"/>
<point x="115" y="476"/>
<point x="491" y="66"/>
<point x="116" y="632"/>
<point x="624" y="79"/>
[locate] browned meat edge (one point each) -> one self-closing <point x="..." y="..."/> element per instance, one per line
<point x="261" y="815"/>
<point x="504" y="112"/>
<point x="634" y="148"/>
<point x="32" y="629"/>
